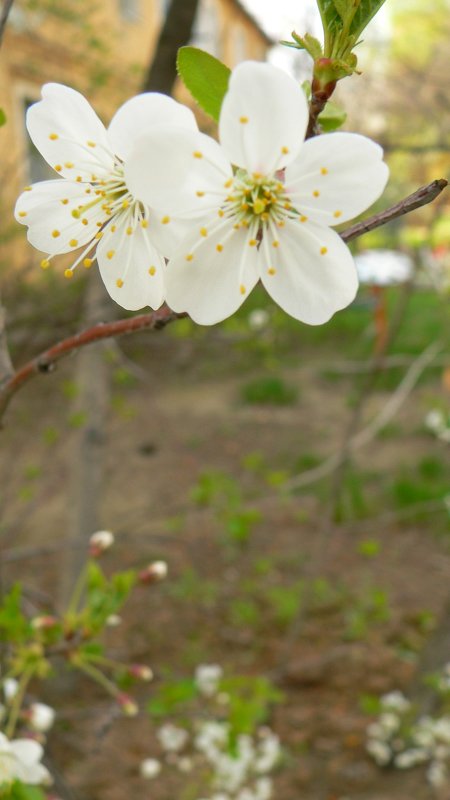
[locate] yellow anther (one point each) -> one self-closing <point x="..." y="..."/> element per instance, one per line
<point x="324" y="171"/>
<point x="287" y="206"/>
<point x="75" y="213"/>
<point x="244" y="206"/>
<point x="125" y="203"/>
<point x="87" y="191"/>
<point x="28" y="188"/>
<point x="113" y="228"/>
<point x="65" y="201"/>
<point x="281" y="223"/>
<point x="165" y="220"/>
<point x="242" y="289"/>
<point x="237" y="225"/>
<point x="337" y="214"/>
<point x="252" y="243"/>
<point x="200" y="194"/>
<point x="189" y="257"/>
<point x="152" y="270"/>
<point x="144" y="223"/>
<point x="85" y="221"/>
<point x="55" y="234"/>
<point x="129" y="230"/>
<point x="68" y="273"/>
<point x="257" y="176"/>
<point x="78" y="179"/>
<point x="219" y="248"/>
<point x="68" y="164"/>
<point x="316" y="193"/>
<point x="275" y="243"/>
<point x="203" y="232"/>
<point x="221" y="213"/>
<point x="73" y="242"/>
<point x="228" y="183"/>
<point x="94" y="178"/>
<point x="98" y="235"/>
<point x="323" y="251"/>
<point x="87" y="262"/>
<point x="285" y="150"/>
<point x="110" y="254"/>
<point x="58" y="167"/>
<point x="22" y="213"/>
<point x="265" y="216"/>
<point x="53" y="136"/>
<point x="90" y="144"/>
<point x="271" y="271"/>
<point x="243" y="120"/>
<point x="99" y="224"/>
<point x="119" y="283"/>
<point x="197" y="154"/>
<point x="303" y="218"/>
<point x="45" y="263"/>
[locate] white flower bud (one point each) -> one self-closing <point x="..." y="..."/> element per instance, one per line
<point x="113" y="620"/>
<point x="41" y="717"/>
<point x="99" y="542"/>
<point x="150" y="768"/>
<point x="10" y="687"/>
<point x="207" y="678"/>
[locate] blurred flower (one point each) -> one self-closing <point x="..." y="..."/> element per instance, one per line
<point x="99" y="542"/>
<point x="258" y="318"/>
<point x="113" y="620"/>
<point x="10" y="687"/>
<point x="20" y="760"/>
<point x="127" y="704"/>
<point x="207" y="678"/>
<point x="270" y="220"/>
<point x="141" y="671"/>
<point x="90" y="205"/>
<point x="156" y="571"/>
<point x="41" y="717"/>
<point x="172" y="738"/>
<point x="150" y="768"/>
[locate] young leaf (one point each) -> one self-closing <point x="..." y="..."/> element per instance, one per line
<point x="2" y="117"/>
<point x="332" y="117"/>
<point x="205" y="77"/>
<point x="366" y="11"/>
<point x="331" y="19"/>
<point x="342" y="8"/>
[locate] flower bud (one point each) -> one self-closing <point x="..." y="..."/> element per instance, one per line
<point x="44" y="622"/>
<point x="156" y="571"/>
<point x="113" y="620"/>
<point x="127" y="704"/>
<point x="141" y="671"/>
<point x="41" y="717"/>
<point x="99" y="542"/>
<point x="150" y="768"/>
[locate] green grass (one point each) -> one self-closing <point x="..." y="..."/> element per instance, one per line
<point x="269" y="390"/>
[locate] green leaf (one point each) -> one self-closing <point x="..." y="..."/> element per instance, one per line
<point x="332" y="117"/>
<point x="20" y="791"/>
<point x="331" y="19"/>
<point x="2" y="117"/>
<point x="205" y="77"/>
<point x="342" y="7"/>
<point x="366" y="11"/>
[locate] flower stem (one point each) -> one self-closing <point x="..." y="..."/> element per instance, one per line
<point x="17" y="702"/>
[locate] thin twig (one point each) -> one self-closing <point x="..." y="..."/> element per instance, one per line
<point x="7" y="6"/>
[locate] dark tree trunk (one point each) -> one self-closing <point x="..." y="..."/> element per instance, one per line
<point x="175" y="33"/>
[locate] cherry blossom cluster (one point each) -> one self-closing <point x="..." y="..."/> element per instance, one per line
<point x="230" y="767"/>
<point x="438" y="423"/>
<point x="398" y="739"/>
<point x="170" y="214"/>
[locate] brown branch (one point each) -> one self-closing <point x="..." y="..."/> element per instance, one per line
<point x="45" y="362"/>
<point x="419" y="198"/>
<point x="7" y="6"/>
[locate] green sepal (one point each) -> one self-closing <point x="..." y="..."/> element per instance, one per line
<point x="205" y="77"/>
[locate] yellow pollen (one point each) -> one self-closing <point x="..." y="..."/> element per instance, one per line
<point x="165" y="220"/>
<point x="265" y="216"/>
<point x="287" y="205"/>
<point x="78" y="179"/>
<point x="200" y="194"/>
<point x="58" y="167"/>
<point x="244" y="207"/>
<point x="68" y="164"/>
<point x="90" y="144"/>
<point x="285" y="150"/>
<point x="228" y="183"/>
<point x="316" y="193"/>
<point x="271" y="271"/>
<point x="219" y="248"/>
<point x="45" y="263"/>
<point x="324" y="171"/>
<point x="203" y="232"/>
<point x="94" y="178"/>
<point x="144" y="223"/>
<point x="275" y="243"/>
<point x="252" y="243"/>
<point x="125" y="203"/>
<point x="68" y="273"/>
<point x="236" y="226"/>
<point x="337" y="214"/>
<point x="243" y="120"/>
<point x="323" y="251"/>
<point x="22" y="213"/>
<point x="119" y="283"/>
<point x="87" y="263"/>
<point x="189" y="257"/>
<point x="85" y="221"/>
<point x="242" y="289"/>
<point x="129" y="230"/>
<point x="152" y="270"/>
<point x="221" y="213"/>
<point x="64" y="201"/>
<point x="110" y="254"/>
<point x="257" y="176"/>
<point x="28" y="188"/>
<point x="197" y="154"/>
<point x="303" y="218"/>
<point x="87" y="191"/>
<point x="53" y="136"/>
<point x="113" y="228"/>
<point x="73" y="242"/>
<point x="55" y="234"/>
<point x="99" y="224"/>
<point x="281" y="223"/>
<point x="98" y="235"/>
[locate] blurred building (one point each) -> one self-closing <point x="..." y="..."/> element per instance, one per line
<point x="103" y="48"/>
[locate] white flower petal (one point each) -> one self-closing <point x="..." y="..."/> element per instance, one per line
<point x="144" y="112"/>
<point x="211" y="275"/>
<point x="47" y="210"/>
<point x="27" y="751"/>
<point x="310" y="274"/>
<point x="131" y="268"/>
<point x="336" y="177"/>
<point x="174" y="168"/>
<point x="263" y="118"/>
<point x="66" y="130"/>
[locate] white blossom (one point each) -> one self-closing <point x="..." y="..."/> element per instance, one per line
<point x="270" y="219"/>
<point x="41" y="717"/>
<point x="207" y="678"/>
<point x="437" y="774"/>
<point x="150" y="768"/>
<point x="10" y="688"/>
<point x="380" y="752"/>
<point x="90" y="206"/>
<point x="20" y="760"/>
<point x="172" y="738"/>
<point x="395" y="701"/>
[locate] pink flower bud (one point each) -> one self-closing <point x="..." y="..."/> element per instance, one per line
<point x="44" y="622"/>
<point x="141" y="671"/>
<point x="127" y="704"/>
<point x="99" y="542"/>
<point x="156" y="571"/>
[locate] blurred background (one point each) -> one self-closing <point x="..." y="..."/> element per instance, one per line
<point x="295" y="479"/>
